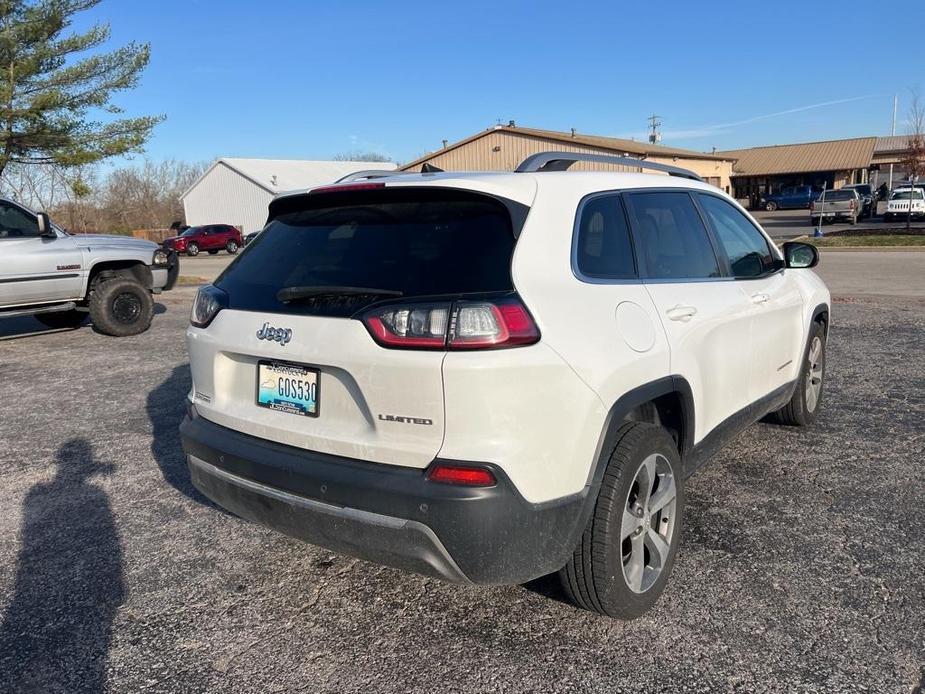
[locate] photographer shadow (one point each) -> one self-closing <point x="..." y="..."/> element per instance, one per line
<point x="69" y="583"/>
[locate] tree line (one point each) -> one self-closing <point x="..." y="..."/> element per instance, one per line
<point x="93" y="200"/>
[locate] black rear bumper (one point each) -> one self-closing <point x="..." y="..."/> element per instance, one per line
<point x="387" y="514"/>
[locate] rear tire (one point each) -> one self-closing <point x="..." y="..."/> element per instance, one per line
<point x="121" y="307"/>
<point x="62" y="319"/>
<point x="807" y="398"/>
<point x="627" y="550"/>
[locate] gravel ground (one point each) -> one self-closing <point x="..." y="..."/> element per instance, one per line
<point x="801" y="567"/>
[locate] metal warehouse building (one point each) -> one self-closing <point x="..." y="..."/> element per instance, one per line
<point x="503" y="147"/>
<point x="835" y="163"/>
<point x="238" y="191"/>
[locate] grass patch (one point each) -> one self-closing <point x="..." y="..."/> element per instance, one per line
<point x="866" y="240"/>
<point x="190" y="281"/>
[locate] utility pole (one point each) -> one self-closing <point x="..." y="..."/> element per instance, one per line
<point x="893" y="134"/>
<point x="654" y="123"/>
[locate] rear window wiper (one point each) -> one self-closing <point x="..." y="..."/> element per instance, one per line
<point x="287" y="294"/>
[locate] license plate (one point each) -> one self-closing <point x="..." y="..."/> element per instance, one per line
<point x="288" y="388"/>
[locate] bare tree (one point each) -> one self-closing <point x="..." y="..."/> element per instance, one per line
<point x="914" y="160"/>
<point x="361" y="156"/>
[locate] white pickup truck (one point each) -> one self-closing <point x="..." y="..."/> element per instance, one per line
<point x="59" y="278"/>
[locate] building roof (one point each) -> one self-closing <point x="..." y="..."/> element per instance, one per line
<point x="275" y="175"/>
<point x="615" y="145"/>
<point x="833" y="155"/>
<point x="892" y="143"/>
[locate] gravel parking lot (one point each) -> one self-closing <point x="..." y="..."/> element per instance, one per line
<point x="801" y="567"/>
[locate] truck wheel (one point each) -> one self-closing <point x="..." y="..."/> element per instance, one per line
<point x="232" y="247"/>
<point x="771" y="206"/>
<point x="192" y="248"/>
<point x="121" y="307"/>
<point x="626" y="552"/>
<point x="62" y="319"/>
<point x="803" y="406"/>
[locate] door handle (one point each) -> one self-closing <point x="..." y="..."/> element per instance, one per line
<point x="759" y="298"/>
<point x="681" y="313"/>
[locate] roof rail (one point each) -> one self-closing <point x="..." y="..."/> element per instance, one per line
<point x="561" y="161"/>
<point x="368" y="174"/>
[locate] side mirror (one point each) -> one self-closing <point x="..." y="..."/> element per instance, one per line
<point x="45" y="228"/>
<point x="800" y="255"/>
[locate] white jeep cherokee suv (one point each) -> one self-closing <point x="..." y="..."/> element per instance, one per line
<point x="489" y="377"/>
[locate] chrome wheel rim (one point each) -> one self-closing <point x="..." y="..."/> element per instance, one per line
<point x="193" y="249"/>
<point x="647" y="529"/>
<point x="814" y="364"/>
<point x="232" y="247"/>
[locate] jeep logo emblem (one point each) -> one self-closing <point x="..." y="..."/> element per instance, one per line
<point x="280" y="335"/>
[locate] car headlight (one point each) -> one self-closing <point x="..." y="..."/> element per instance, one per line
<point x="209" y="301"/>
<point x="160" y="257"/>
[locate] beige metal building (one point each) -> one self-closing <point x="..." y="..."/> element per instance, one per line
<point x="503" y="147"/>
<point x="835" y="163"/>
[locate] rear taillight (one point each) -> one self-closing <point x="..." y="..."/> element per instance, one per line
<point x="461" y="474"/>
<point x="207" y="304"/>
<point x="459" y="325"/>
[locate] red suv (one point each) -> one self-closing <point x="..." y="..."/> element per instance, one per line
<point x="209" y="237"/>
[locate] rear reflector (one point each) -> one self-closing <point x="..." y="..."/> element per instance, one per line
<point x="459" y="474"/>
<point x="452" y="325"/>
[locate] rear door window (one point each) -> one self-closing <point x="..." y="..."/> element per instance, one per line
<point x="671" y="239"/>
<point x="603" y="249"/>
<point x="422" y="242"/>
<point x="748" y="251"/>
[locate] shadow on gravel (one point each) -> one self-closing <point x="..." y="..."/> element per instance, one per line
<point x="56" y="630"/>
<point x="549" y="587"/>
<point x="166" y="406"/>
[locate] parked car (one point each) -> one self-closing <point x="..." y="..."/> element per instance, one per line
<point x="900" y="202"/>
<point x="210" y="237"/>
<point x="61" y="278"/>
<point x="383" y="375"/>
<point x="251" y="236"/>
<point x="869" y="198"/>
<point x="794" y="197"/>
<point x="832" y="205"/>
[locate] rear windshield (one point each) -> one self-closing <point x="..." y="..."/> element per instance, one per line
<point x="836" y="195"/>
<point x="420" y="242"/>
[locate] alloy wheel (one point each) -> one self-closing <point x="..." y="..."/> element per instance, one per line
<point x="648" y="525"/>
<point x="814" y="366"/>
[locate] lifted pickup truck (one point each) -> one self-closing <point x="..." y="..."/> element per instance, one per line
<point x="59" y="278"/>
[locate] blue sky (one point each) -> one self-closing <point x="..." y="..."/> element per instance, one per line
<point x="301" y="79"/>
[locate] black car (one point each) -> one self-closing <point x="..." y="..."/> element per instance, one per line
<point x="869" y="198"/>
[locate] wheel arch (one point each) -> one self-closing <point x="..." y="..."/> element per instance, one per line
<point x="667" y="402"/>
<point x="821" y="315"/>
<point x="107" y="269"/>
